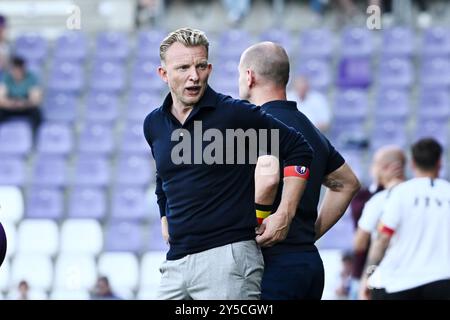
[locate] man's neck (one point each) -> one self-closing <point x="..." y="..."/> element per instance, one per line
<point x="267" y="94"/>
<point x="180" y="111"/>
<point x="394" y="182"/>
<point x="426" y="174"/>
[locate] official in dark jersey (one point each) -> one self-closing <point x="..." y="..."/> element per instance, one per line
<point x="293" y="267"/>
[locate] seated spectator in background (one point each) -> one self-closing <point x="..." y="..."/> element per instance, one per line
<point x="237" y="10"/>
<point x="20" y="94"/>
<point x="313" y="104"/>
<point x="102" y="290"/>
<point x="345" y="277"/>
<point x="23" y="290"/>
<point x="149" y="12"/>
<point x="4" y="45"/>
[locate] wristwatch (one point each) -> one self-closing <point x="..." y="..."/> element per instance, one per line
<point x="371" y="269"/>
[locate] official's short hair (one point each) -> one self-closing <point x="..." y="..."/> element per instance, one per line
<point x="426" y="153"/>
<point x="269" y="60"/>
<point x="17" y="62"/>
<point x="187" y="37"/>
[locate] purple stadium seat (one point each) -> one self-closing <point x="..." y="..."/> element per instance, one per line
<point x="71" y="46"/>
<point x="15" y="138"/>
<point x="354" y="72"/>
<point x="147" y="41"/>
<point x="129" y="203"/>
<point x="434" y="104"/>
<point x="140" y="104"/>
<point x="12" y="170"/>
<point x="435" y="72"/>
<point x="102" y="107"/>
<point x="348" y="134"/>
<point x="436" y="128"/>
<point x="145" y="76"/>
<point x="91" y="171"/>
<point x="31" y="47"/>
<point x="134" y="170"/>
<point x="111" y="46"/>
<point x="355" y="160"/>
<point x="398" y="42"/>
<point x="49" y="171"/>
<point x="387" y="133"/>
<point x="226" y="84"/>
<point x="436" y="42"/>
<point x="124" y="236"/>
<point x="316" y="44"/>
<point x="133" y="140"/>
<point x="87" y="203"/>
<point x="351" y="105"/>
<point x="96" y="138"/>
<point x="396" y="73"/>
<point x="280" y="36"/>
<point x="392" y="104"/>
<point x="108" y="77"/>
<point x="55" y="138"/>
<point x="66" y="77"/>
<point x="45" y="203"/>
<point x="317" y="71"/>
<point x="357" y="42"/>
<point x="233" y="42"/>
<point x="60" y="107"/>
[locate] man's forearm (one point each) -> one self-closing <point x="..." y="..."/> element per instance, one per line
<point x="276" y="226"/>
<point x="342" y="186"/>
<point x="378" y="250"/>
<point x="293" y="189"/>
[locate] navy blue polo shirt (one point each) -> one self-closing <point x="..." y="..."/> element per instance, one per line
<point x="210" y="205"/>
<point x="326" y="160"/>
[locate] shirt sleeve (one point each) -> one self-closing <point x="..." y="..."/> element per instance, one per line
<point x="370" y="216"/>
<point x="293" y="147"/>
<point x="160" y="194"/>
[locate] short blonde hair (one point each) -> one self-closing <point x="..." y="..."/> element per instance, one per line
<point x="187" y="37"/>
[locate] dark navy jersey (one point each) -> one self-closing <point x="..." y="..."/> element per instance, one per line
<point x="210" y="205"/>
<point x="326" y="160"/>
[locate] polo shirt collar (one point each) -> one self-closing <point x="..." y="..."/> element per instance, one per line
<point x="280" y="104"/>
<point x="209" y="100"/>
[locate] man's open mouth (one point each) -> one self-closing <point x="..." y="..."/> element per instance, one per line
<point x="193" y="90"/>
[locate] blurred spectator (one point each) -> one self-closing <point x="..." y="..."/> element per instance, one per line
<point x="312" y="103"/>
<point x="236" y="10"/>
<point x="4" y="45"/>
<point x="389" y="163"/>
<point x="402" y="12"/>
<point x="102" y="290"/>
<point x="23" y="290"/>
<point x="149" y="12"/>
<point x="318" y="5"/>
<point x="357" y="206"/>
<point x="415" y="226"/>
<point x="345" y="277"/>
<point x="20" y="94"/>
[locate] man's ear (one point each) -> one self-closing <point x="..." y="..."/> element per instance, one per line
<point x="250" y="78"/>
<point x="162" y="74"/>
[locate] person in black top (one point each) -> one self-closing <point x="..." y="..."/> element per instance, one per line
<point x="205" y="186"/>
<point x="293" y="267"/>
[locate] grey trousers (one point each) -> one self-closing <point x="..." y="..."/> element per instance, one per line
<point x="229" y="272"/>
